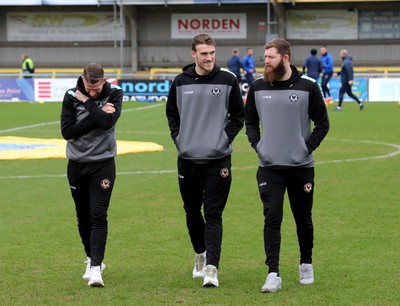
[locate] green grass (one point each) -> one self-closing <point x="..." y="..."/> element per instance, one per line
<point x="149" y="257"/>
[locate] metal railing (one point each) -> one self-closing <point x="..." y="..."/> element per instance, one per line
<point x="169" y="73"/>
<point x="55" y="73"/>
<point x="368" y="72"/>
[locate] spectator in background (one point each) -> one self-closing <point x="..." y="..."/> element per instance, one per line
<point x="249" y="67"/>
<point x="235" y="64"/>
<point x="346" y="79"/>
<point x="327" y="73"/>
<point x="312" y="65"/>
<point x="28" y="68"/>
<point x="88" y="117"/>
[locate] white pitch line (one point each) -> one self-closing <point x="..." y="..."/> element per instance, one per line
<point x="64" y="175"/>
<point x="141" y="108"/>
<point x="363" y="158"/>
<point x="25" y="127"/>
<point x="28" y="126"/>
<point x="233" y="168"/>
<point x="396" y="146"/>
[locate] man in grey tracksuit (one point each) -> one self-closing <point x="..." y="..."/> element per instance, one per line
<point x="88" y="117"/>
<point x="284" y="103"/>
<point x="205" y="113"/>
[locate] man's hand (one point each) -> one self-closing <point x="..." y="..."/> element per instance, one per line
<point x="81" y="97"/>
<point x="350" y="82"/>
<point x="108" y="108"/>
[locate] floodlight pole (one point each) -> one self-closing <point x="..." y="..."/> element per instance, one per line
<point x="121" y="36"/>
<point x="115" y="35"/>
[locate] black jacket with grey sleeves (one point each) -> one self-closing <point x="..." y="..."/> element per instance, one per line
<point x="205" y="113"/>
<point x="89" y="130"/>
<point x="284" y="110"/>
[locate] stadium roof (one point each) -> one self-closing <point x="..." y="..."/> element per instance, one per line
<point x="124" y="2"/>
<point x="164" y="2"/>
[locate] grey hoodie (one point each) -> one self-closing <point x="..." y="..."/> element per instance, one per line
<point x="284" y="110"/>
<point x="90" y="131"/>
<point x="205" y="113"/>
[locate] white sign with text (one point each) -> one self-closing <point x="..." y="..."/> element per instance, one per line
<point x="61" y="26"/>
<point x="384" y="89"/>
<point x="319" y="24"/>
<point x="222" y="26"/>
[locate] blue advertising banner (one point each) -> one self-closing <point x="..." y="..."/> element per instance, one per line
<point x="17" y="90"/>
<point x="359" y="88"/>
<point x="145" y="90"/>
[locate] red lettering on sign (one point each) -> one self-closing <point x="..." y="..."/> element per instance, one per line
<point x="207" y="24"/>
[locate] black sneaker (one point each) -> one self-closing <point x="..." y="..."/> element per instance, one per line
<point x="361" y="106"/>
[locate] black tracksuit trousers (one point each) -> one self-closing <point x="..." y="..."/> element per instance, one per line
<point x="324" y="84"/>
<point x="91" y="187"/>
<point x="207" y="184"/>
<point x="346" y="88"/>
<point x="272" y="184"/>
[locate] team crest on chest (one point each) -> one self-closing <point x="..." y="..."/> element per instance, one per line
<point x="294" y="98"/>
<point x="215" y="91"/>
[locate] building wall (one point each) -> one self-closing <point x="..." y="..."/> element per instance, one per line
<point x="157" y="49"/>
<point x="50" y="54"/>
<point x="148" y="41"/>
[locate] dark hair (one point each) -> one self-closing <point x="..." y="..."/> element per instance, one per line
<point x="202" y="39"/>
<point x="93" y="73"/>
<point x="281" y="45"/>
<point x="313" y="51"/>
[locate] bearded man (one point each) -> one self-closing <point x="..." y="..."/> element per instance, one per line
<point x="278" y="114"/>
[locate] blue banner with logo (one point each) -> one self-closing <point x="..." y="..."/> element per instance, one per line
<point x="145" y="90"/>
<point x="359" y="88"/>
<point x="17" y="90"/>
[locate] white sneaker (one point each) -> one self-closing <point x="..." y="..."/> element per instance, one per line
<point x="95" y="277"/>
<point x="86" y="276"/>
<point x="273" y="283"/>
<point x="199" y="265"/>
<point x="211" y="277"/>
<point x="306" y="274"/>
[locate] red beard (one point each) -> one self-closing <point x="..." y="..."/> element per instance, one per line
<point x="274" y="74"/>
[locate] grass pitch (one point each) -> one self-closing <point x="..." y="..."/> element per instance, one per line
<point x="149" y="257"/>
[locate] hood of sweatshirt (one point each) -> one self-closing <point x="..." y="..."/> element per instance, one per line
<point x="348" y="58"/>
<point x="190" y="71"/>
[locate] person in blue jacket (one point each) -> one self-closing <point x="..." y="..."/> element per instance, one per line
<point x="346" y="79"/>
<point x="249" y="67"/>
<point x="312" y="66"/>
<point x="327" y="73"/>
<point x="235" y="64"/>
